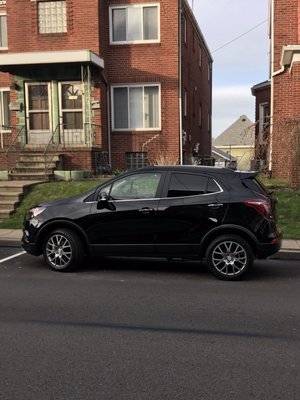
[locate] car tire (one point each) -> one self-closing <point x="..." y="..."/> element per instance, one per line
<point x="63" y="250"/>
<point x="229" y="257"/>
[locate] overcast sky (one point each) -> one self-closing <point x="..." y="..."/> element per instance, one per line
<point x="239" y="65"/>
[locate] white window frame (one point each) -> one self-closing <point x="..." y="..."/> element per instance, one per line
<point x="2" y="90"/>
<point x="52" y="32"/>
<point x="49" y="111"/>
<point x="200" y="56"/>
<point x="2" y="129"/>
<point x="262" y="124"/>
<point x="132" y="86"/>
<point x="68" y="132"/>
<point x="127" y="6"/>
<point x="3" y="14"/>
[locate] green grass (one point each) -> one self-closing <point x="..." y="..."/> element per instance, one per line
<point x="288" y="213"/>
<point x="288" y="208"/>
<point x="44" y="192"/>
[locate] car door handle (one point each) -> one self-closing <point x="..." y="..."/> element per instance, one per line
<point x="146" y="210"/>
<point x="215" y="205"/>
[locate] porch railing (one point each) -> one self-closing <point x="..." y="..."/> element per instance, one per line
<point x="14" y="146"/>
<point x="51" y="147"/>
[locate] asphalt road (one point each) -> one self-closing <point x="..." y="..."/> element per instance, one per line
<point x="123" y="329"/>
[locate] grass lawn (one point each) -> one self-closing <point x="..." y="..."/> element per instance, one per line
<point x="44" y="192"/>
<point x="288" y="208"/>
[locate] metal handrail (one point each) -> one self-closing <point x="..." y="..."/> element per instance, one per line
<point x="13" y="142"/>
<point x="51" y="141"/>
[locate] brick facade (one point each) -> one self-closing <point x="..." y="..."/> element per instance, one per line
<point x="124" y="64"/>
<point x="286" y="94"/>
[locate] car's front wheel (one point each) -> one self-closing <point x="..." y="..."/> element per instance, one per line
<point x="63" y="250"/>
<point x="229" y="257"/>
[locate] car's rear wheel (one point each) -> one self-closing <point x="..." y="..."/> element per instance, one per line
<point x="229" y="257"/>
<point x="63" y="250"/>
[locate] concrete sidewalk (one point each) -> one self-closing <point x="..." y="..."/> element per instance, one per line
<point x="290" y="248"/>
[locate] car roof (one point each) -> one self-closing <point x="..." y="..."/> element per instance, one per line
<point x="190" y="168"/>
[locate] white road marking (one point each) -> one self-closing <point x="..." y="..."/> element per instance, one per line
<point x="13" y="256"/>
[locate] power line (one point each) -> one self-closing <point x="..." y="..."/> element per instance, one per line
<point x="238" y="37"/>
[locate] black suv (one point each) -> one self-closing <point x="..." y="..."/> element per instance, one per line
<point x="222" y="216"/>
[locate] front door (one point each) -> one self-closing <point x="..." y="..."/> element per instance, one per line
<point x="125" y="223"/>
<point x="71" y="113"/>
<point x="38" y="100"/>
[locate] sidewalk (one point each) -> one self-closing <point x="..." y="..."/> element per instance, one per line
<point x="290" y="248"/>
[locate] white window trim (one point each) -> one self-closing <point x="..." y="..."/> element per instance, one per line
<point x="184" y="29"/>
<point x="49" y="111"/>
<point x="61" y="110"/>
<point x="261" y="123"/>
<point x="140" y="5"/>
<point x="3" y="89"/>
<point x="2" y="14"/>
<point x="135" y="129"/>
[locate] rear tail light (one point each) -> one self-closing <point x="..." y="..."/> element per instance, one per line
<point x="263" y="207"/>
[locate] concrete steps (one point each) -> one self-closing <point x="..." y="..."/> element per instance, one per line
<point x="31" y="166"/>
<point x="11" y="193"/>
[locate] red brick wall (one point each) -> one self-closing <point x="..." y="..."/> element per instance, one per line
<point x="196" y="80"/>
<point x="139" y="63"/>
<point x="82" y="25"/>
<point x="286" y="98"/>
<point x="148" y="63"/>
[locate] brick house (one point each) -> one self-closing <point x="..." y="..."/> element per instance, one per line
<point x="283" y="92"/>
<point x="102" y="83"/>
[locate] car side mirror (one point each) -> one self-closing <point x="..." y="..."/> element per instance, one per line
<point x="103" y="202"/>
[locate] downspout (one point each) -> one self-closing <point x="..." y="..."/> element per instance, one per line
<point x="108" y="116"/>
<point x="180" y="81"/>
<point x="273" y="74"/>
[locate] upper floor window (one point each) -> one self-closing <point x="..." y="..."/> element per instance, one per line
<point x="3" y="31"/>
<point x="184" y="30"/>
<point x="200" y="57"/>
<point x="52" y="16"/>
<point x="134" y="23"/>
<point x="136" y="107"/>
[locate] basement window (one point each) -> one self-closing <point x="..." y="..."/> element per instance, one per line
<point x="52" y="17"/>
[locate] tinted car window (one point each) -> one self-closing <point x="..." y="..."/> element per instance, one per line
<point x="187" y="185"/>
<point x="139" y="186"/>
<point x="212" y="186"/>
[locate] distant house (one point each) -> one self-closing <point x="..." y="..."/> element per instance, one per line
<point x="238" y="142"/>
<point x="222" y="158"/>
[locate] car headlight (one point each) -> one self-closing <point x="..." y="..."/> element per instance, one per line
<point x="34" y="212"/>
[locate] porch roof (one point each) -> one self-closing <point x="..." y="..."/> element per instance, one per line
<point x="51" y="57"/>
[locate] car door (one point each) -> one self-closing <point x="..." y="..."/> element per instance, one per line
<point x="122" y="221"/>
<point x="192" y="205"/>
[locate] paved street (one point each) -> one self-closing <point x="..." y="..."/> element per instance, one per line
<point x="148" y="330"/>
